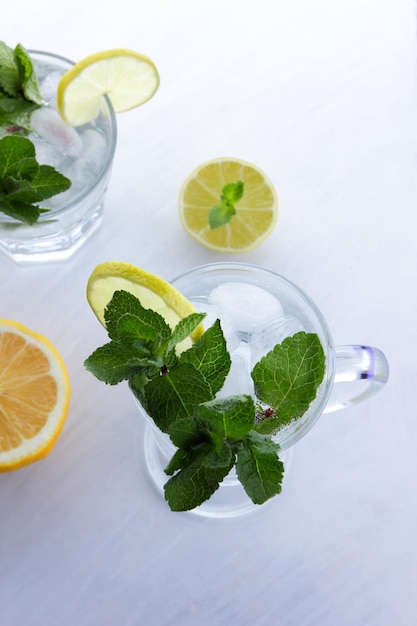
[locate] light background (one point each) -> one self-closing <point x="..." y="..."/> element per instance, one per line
<point x="322" y="96"/>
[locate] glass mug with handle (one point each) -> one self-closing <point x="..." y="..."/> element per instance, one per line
<point x="258" y="309"/>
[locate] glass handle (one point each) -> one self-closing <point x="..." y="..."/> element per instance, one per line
<point x="361" y="371"/>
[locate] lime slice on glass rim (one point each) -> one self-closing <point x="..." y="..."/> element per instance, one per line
<point x="128" y="78"/>
<point x="152" y="291"/>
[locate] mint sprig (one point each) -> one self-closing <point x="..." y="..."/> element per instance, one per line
<point x="200" y="470"/>
<point x="179" y="390"/>
<point x="222" y="213"/>
<point x="24" y="183"/>
<point x="140" y="345"/>
<point x="223" y="431"/>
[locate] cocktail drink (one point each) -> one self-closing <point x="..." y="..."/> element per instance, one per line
<point x="83" y="154"/>
<point x="226" y="403"/>
<point x="259" y="309"/>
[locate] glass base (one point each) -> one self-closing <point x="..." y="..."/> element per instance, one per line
<point x="230" y="500"/>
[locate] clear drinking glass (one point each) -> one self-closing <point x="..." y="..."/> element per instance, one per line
<point x="258" y="309"/>
<point x="84" y="154"/>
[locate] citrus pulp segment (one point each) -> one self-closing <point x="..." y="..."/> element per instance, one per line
<point x="256" y="212"/>
<point x="34" y="396"/>
<point x="128" y="78"/>
<point x="152" y="291"/>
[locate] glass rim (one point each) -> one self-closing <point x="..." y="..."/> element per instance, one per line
<point x="327" y="383"/>
<point x="217" y="265"/>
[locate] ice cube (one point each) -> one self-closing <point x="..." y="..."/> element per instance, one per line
<point x="46" y="153"/>
<point x="84" y="170"/>
<point x="49" y="86"/>
<point x="239" y="380"/>
<point x="94" y="145"/>
<point x="248" y="307"/>
<point x="48" y="124"/>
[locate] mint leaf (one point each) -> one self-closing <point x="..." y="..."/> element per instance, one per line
<point x="189" y="432"/>
<point x="19" y="89"/>
<point x="233" y="192"/>
<point x="26" y="213"/>
<point x="9" y="77"/>
<point x="27" y="76"/>
<point x="19" y="191"/>
<point x="258" y="467"/>
<point x="21" y="168"/>
<point x="132" y="330"/>
<point x="181" y="459"/>
<point x="210" y="357"/>
<point x="184" y="328"/>
<point x="44" y="184"/>
<point x="123" y="303"/>
<point x="23" y="182"/>
<point x="200" y="474"/>
<point x="175" y="394"/>
<point x="221" y="214"/>
<point x="115" y="362"/>
<point x="48" y="181"/>
<point x="233" y="416"/>
<point x="17" y="158"/>
<point x="15" y="112"/>
<point x="287" y="378"/>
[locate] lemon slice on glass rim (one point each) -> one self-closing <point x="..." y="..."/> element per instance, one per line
<point x="128" y="78"/>
<point x="34" y="396"/>
<point x="152" y="291"/>
<point x="256" y="212"/>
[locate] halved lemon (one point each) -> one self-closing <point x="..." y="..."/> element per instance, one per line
<point x="256" y="212"/>
<point x="34" y="396"/>
<point x="152" y="291"/>
<point x="128" y="78"/>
